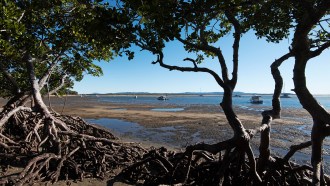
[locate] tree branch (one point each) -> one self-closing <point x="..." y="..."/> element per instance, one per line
<point x="60" y="86"/>
<point x="276" y="111"/>
<point x="295" y="148"/>
<point x="49" y="71"/>
<point x="318" y="51"/>
<point x="214" y="50"/>
<point x="20" y="18"/>
<point x="189" y="69"/>
<point x="160" y="58"/>
<point x="10" y="78"/>
<point x="237" y="37"/>
<point x="192" y="60"/>
<point x="5" y="118"/>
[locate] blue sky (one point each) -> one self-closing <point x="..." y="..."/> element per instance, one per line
<point x="255" y="58"/>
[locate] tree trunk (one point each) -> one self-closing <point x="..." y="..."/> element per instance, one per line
<point x="316" y="159"/>
<point x="227" y="106"/>
<point x="41" y="106"/>
<point x="301" y="49"/>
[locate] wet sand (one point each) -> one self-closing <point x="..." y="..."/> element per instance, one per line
<point x="194" y="124"/>
<point x="208" y="121"/>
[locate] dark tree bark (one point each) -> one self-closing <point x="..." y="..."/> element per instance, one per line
<point x="302" y="53"/>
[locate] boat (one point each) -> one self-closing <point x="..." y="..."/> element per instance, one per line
<point x="238" y="96"/>
<point x="162" y="98"/>
<point x="285" y="95"/>
<point x="135" y="97"/>
<point x="256" y="100"/>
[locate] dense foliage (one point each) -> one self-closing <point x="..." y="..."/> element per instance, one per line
<point x="64" y="38"/>
<point x="47" y="45"/>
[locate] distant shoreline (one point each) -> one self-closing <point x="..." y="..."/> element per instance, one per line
<point x="190" y="94"/>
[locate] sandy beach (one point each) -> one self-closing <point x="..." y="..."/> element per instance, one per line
<point x="194" y="124"/>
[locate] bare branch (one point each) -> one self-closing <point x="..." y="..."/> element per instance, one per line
<point x="160" y="58"/>
<point x="189" y="69"/>
<point x="60" y="86"/>
<point x="5" y="118"/>
<point x="192" y="60"/>
<point x="20" y="18"/>
<point x="295" y="148"/>
<point x="318" y="51"/>
<point x="44" y="78"/>
<point x="214" y="50"/>
<point x="10" y="78"/>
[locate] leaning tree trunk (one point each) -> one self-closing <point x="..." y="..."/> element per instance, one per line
<point x="320" y="116"/>
<point x="38" y="98"/>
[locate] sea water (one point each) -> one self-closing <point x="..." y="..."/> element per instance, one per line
<point x="242" y="101"/>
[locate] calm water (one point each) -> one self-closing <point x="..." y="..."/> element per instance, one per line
<point x="209" y="100"/>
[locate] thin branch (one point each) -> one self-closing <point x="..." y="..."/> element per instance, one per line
<point x="189" y="69"/>
<point x="60" y="86"/>
<point x="318" y="51"/>
<point x="192" y="60"/>
<point x="324" y="30"/>
<point x="10" y="78"/>
<point x="44" y="78"/>
<point x="214" y="50"/>
<point x="214" y="148"/>
<point x="5" y="118"/>
<point x="20" y="18"/>
<point x="160" y="58"/>
<point x="295" y="148"/>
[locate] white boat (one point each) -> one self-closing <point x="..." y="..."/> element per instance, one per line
<point x="256" y="100"/>
<point x="162" y="98"/>
<point x="285" y="95"/>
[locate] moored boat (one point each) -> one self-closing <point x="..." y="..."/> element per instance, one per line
<point x="256" y="100"/>
<point x="285" y="95"/>
<point x="162" y="98"/>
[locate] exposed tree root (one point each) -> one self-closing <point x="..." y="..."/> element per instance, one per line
<point x="203" y="167"/>
<point x="48" y="152"/>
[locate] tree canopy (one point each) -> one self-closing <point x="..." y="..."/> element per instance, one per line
<point x="64" y="38"/>
<point x="47" y="45"/>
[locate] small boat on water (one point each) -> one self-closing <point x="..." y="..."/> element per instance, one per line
<point x="285" y="95"/>
<point x="256" y="100"/>
<point x="162" y="98"/>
